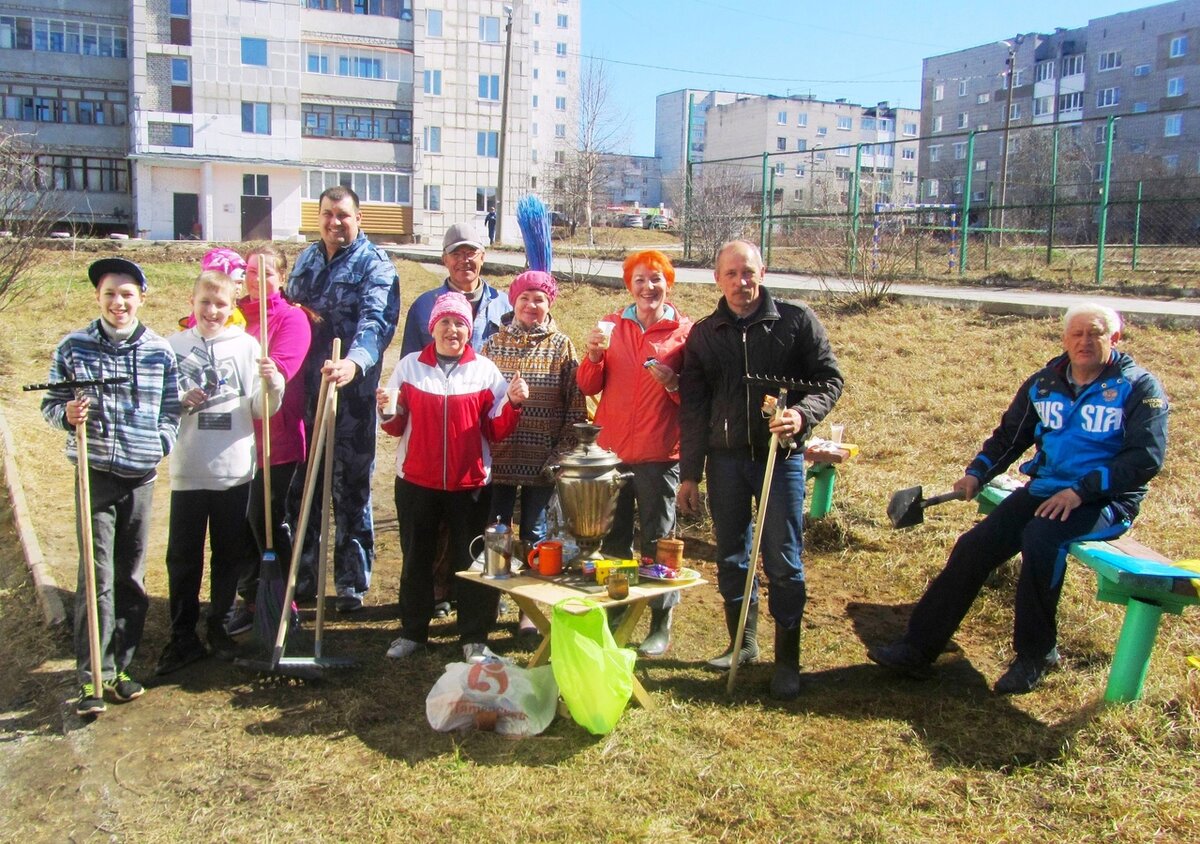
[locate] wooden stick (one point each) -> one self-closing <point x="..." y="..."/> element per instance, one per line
<point x="89" y="557"/>
<point x="326" y="506"/>
<point x="266" y="403"/>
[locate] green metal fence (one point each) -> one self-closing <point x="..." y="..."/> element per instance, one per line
<point x="1108" y="200"/>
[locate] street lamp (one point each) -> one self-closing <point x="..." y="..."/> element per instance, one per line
<point x="1010" y="75"/>
<point x="508" y="11"/>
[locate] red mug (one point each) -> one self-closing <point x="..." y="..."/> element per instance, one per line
<point x="546" y="558"/>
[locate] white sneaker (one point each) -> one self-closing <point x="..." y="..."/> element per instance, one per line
<point x="477" y="652"/>
<point x="402" y="648"/>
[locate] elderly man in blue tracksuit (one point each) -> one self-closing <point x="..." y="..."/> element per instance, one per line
<point x="462" y="254"/>
<point x="353" y="286"/>
<point x="1098" y="424"/>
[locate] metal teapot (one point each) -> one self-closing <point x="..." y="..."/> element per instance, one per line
<point x="497" y="550"/>
<point x="587" y="483"/>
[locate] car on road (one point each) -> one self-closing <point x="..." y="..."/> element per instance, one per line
<point x="632" y="221"/>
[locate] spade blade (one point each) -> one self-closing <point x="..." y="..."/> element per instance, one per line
<point x="905" y="508"/>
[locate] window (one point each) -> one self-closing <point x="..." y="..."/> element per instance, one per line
<point x="1044" y="71"/>
<point x="256" y="118"/>
<point x="179" y="8"/>
<point x="433" y="139"/>
<point x="932" y="188"/>
<point x="57" y="36"/>
<point x="255" y="184"/>
<point x="908" y="153"/>
<point x="1014" y="112"/>
<point x="781" y="144"/>
<point x="981" y="165"/>
<point x="982" y="127"/>
<point x="1043" y="105"/>
<point x="487" y="144"/>
<point x="842" y="152"/>
<point x="485" y="198"/>
<point x="433" y="197"/>
<point x="868" y="124"/>
<point x="909" y="177"/>
<point x="958" y="187"/>
<point x="962" y="87"/>
<point x="560" y="156"/>
<point x="1141" y="70"/>
<point x="781" y="118"/>
<point x="1173" y="126"/>
<point x="820" y="156"/>
<point x="1072" y="65"/>
<point x="393" y="188"/>
<point x="1098" y="172"/>
<point x="822" y="131"/>
<point x="560" y="77"/>
<point x="1171" y="162"/>
<point x="537" y="18"/>
<point x="535" y="73"/>
<point x="939" y="92"/>
<point x="1179" y="46"/>
<point x="1141" y="108"/>
<point x="841" y="173"/>
<point x="535" y="100"/>
<point x="560" y="49"/>
<point x="181" y="135"/>
<point x="910" y="128"/>
<point x="433" y="23"/>
<point x="801" y="145"/>
<point x="983" y="98"/>
<point x="779" y="168"/>
<point x="489" y="29"/>
<point x="802" y="119"/>
<point x="845" y="124"/>
<point x="560" y="103"/>
<point x="361" y="62"/>
<point x="254" y="51"/>
<point x="963" y="119"/>
<point x="181" y="71"/>
<point x="937" y="123"/>
<point x="489" y="86"/>
<point x="1175" y="86"/>
<point x="1107" y="97"/>
<point x="561" y="22"/>
<point x="560" y="130"/>
<point x="935" y="153"/>
<point x="1110" y="60"/>
<point x="799" y="169"/>
<point x="1101" y="134"/>
<point x="960" y="151"/>
<point x="433" y="82"/>
<point x="1071" y="102"/>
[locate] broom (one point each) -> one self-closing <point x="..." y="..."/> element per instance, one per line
<point x="534" y="221"/>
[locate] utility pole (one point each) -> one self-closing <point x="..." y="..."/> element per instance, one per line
<point x="508" y="11"/>
<point x="1011" y="78"/>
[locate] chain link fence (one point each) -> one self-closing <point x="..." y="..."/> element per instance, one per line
<point x="1108" y="200"/>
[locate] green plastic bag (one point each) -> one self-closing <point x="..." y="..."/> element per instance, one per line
<point x="594" y="676"/>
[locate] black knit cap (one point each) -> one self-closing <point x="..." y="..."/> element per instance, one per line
<point x="122" y="266"/>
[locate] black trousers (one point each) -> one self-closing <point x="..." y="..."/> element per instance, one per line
<point x="420" y="512"/>
<point x="222" y="515"/>
<point x="1010" y="528"/>
<point x="281" y="537"/>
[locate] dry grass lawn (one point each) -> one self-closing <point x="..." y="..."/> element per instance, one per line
<point x="214" y="753"/>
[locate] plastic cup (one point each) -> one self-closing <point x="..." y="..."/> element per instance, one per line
<point x="393" y="393"/>
<point x="606" y="328"/>
<point x="836" y="432"/>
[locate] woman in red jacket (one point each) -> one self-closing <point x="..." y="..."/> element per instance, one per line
<point x="451" y="405"/>
<point x="636" y="367"/>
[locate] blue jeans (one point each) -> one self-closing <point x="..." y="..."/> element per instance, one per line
<point x="534" y="500"/>
<point x="734" y="483"/>
<point x="1010" y="528"/>
<point x="652" y="487"/>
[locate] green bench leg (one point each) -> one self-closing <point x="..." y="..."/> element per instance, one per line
<point x="1131" y="658"/>
<point x="824" y="476"/>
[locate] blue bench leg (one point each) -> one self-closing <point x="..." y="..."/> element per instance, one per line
<point x="1131" y="658"/>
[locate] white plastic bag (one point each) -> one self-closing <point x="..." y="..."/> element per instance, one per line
<point x="493" y="695"/>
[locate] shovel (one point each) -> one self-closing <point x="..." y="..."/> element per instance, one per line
<point x="907" y="507"/>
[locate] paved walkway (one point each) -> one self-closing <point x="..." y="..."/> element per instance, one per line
<point x="1176" y="313"/>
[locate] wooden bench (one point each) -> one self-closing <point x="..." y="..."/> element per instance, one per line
<point x="823" y="460"/>
<point x="1141" y="579"/>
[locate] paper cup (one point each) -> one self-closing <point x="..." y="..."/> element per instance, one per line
<point x="393" y="393"/>
<point x="836" y="432"/>
<point x="606" y="328"/>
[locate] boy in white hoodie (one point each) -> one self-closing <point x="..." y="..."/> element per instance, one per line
<point x="220" y="383"/>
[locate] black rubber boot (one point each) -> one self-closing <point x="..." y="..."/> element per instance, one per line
<point x="749" y="652"/>
<point x="785" y="683"/>
<point x="658" y="640"/>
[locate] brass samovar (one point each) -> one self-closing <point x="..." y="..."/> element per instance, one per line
<point x="587" y="484"/>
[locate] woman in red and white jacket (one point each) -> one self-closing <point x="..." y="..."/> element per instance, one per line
<point x="450" y="405"/>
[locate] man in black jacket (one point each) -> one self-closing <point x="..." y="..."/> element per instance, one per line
<point x="723" y="432"/>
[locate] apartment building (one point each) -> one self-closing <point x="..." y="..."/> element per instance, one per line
<point x="225" y="120"/>
<point x="671" y="113"/>
<point x="632" y="180"/>
<point x="64" y="84"/>
<point x="1141" y="66"/>
<point x="812" y="148"/>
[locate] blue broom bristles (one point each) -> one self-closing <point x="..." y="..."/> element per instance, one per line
<point x="534" y="220"/>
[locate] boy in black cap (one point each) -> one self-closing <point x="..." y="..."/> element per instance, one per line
<point x="131" y="427"/>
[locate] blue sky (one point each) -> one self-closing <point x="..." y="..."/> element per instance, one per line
<point x="864" y="51"/>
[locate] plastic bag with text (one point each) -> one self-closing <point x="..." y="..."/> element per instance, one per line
<point x="594" y="676"/>
<point x="495" y="696"/>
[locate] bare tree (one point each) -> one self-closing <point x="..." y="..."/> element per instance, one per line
<point x="580" y="178"/>
<point x="722" y="200"/>
<point x="29" y="211"/>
